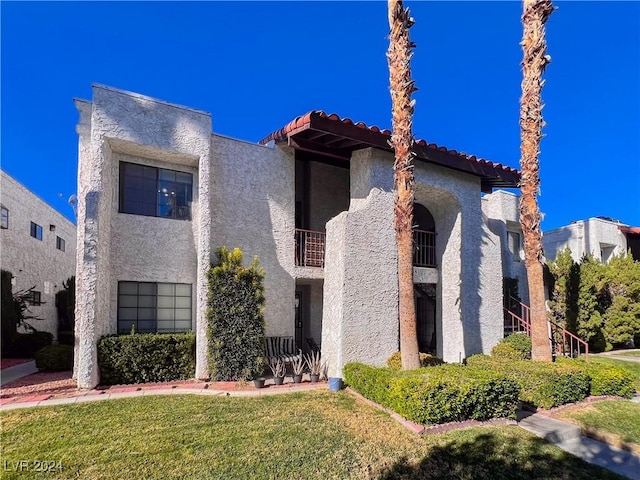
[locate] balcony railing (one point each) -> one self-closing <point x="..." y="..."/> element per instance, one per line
<point x="424" y="248"/>
<point x="309" y="248"/>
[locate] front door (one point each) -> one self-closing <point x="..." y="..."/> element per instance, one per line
<point x="426" y="317"/>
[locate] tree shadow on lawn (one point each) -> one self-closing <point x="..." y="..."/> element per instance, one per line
<point x="488" y="456"/>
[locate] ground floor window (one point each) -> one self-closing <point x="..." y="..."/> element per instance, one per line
<point x="154" y="307"/>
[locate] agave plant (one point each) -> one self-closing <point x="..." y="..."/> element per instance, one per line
<point x="278" y="367"/>
<point x="314" y="363"/>
<point x="298" y="364"/>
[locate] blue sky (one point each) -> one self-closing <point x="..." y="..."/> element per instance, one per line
<point x="257" y="65"/>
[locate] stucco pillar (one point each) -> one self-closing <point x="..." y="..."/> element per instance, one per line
<point x="203" y="263"/>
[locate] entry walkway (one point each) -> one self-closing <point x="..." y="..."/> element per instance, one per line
<point x="570" y="439"/>
<point x="11" y="374"/>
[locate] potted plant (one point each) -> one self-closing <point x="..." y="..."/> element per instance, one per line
<point x="298" y="368"/>
<point x="258" y="382"/>
<point x="279" y="369"/>
<point x="314" y="363"/>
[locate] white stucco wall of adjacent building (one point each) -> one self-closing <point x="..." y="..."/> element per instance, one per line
<point x="36" y="263"/>
<point x="596" y="236"/>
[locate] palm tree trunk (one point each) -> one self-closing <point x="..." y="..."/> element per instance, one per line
<point x="534" y="47"/>
<point x="399" y="57"/>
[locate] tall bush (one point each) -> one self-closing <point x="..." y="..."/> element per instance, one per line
<point x="235" y="318"/>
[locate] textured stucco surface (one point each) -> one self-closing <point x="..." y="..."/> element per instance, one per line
<point x="500" y="210"/>
<point x="328" y="193"/>
<point x="36" y="263"/>
<point x="584" y="237"/>
<point x="252" y="207"/>
<point x="117" y="123"/>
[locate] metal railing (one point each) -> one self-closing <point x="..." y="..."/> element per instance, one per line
<point x="424" y="248"/>
<point x="563" y="342"/>
<point x="310" y="246"/>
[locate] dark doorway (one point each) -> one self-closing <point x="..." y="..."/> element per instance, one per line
<point x="425" y="296"/>
<point x="298" y="320"/>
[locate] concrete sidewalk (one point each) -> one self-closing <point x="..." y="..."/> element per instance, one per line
<point x="18" y="371"/>
<point x="570" y="439"/>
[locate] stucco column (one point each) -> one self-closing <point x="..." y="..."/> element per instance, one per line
<point x="204" y="261"/>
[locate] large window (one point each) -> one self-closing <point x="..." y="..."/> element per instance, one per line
<point x="36" y="231"/>
<point x="154" y="307"/>
<point x="5" y="216"/>
<point x="155" y="192"/>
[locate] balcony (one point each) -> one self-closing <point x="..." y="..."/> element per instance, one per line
<point x="424" y="249"/>
<point x="309" y="248"/>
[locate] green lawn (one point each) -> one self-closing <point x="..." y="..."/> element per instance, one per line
<point x="618" y="417"/>
<point x="633" y="367"/>
<point x="300" y="436"/>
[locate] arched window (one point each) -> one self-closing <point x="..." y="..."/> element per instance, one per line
<point x="424" y="237"/>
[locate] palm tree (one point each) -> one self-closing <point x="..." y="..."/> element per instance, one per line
<point x="401" y="86"/>
<point x="535" y="58"/>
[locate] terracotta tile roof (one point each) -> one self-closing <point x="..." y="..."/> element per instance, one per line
<point x="631" y="230"/>
<point x="303" y="122"/>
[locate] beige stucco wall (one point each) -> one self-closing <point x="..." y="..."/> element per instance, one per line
<point x="36" y="263"/>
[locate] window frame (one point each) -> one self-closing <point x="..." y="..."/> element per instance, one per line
<point x="60" y="243"/>
<point x="153" y="296"/>
<point x="36" y="298"/>
<point x="166" y="186"/>
<point x="35" y="231"/>
<point x="4" y="220"/>
<point x="516" y="253"/>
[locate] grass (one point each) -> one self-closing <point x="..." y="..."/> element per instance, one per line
<point x="633" y="367"/>
<point x="306" y="435"/>
<point x="617" y="419"/>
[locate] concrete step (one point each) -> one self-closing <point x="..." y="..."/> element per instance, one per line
<point x="551" y="430"/>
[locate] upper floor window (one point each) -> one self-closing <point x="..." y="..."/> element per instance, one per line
<point x="36" y="231"/>
<point x="514" y="243"/>
<point x="155" y="192"/>
<point x="5" y="216"/>
<point x="60" y="243"/>
<point x="35" y="297"/>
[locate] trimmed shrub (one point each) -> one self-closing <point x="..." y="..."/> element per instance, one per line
<point x="55" y="358"/>
<point x="541" y="384"/>
<point x="436" y="394"/>
<point x="506" y="351"/>
<point x="27" y="344"/>
<point x="520" y="343"/>
<point x="605" y="379"/>
<point x="394" y="362"/>
<point x="149" y="357"/>
<point x="236" y="322"/>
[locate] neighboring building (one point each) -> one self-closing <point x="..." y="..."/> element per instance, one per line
<point x="158" y="192"/>
<point x="601" y="237"/>
<point x="38" y="248"/>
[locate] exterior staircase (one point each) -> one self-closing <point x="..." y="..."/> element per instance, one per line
<point x="563" y="342"/>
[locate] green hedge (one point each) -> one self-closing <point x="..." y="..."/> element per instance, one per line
<point x="606" y="379"/>
<point x="394" y="362"/>
<point x="55" y="358"/>
<point x="142" y="358"/>
<point x="516" y="346"/>
<point x="436" y="394"/>
<point x="541" y="384"/>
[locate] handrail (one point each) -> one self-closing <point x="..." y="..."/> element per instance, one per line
<point x="574" y="342"/>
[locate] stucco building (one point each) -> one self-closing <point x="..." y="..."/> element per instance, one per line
<point x="158" y="192"/>
<point x="601" y="237"/>
<point x="38" y="246"/>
